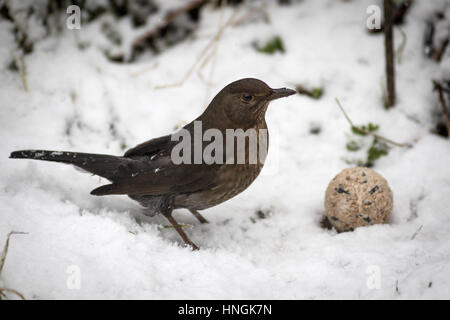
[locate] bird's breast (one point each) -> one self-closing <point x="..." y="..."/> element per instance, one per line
<point x="231" y="180"/>
<point x="240" y="168"/>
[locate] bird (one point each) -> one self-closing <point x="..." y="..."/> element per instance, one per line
<point x="149" y="175"/>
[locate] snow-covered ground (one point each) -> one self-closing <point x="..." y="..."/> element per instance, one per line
<point x="74" y="96"/>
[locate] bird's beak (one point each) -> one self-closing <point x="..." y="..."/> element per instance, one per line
<point x="281" y="93"/>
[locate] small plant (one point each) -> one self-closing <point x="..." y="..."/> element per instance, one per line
<point x="378" y="147"/>
<point x="314" y="93"/>
<point x="376" y="151"/>
<point x="352" y="146"/>
<point x="362" y="130"/>
<point x="373" y="150"/>
<point x="272" y="46"/>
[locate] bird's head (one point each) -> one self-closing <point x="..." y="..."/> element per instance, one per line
<point x="245" y="101"/>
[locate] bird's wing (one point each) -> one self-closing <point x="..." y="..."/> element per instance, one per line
<point x="164" y="179"/>
<point x="149" y="148"/>
<point x="151" y="171"/>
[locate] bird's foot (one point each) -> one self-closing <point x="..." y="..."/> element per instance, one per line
<point x="198" y="216"/>
<point x="180" y="231"/>
<point x="193" y="246"/>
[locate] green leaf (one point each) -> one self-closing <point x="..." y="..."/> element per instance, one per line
<point x="361" y="130"/>
<point x="372" y="127"/>
<point x="353" y="146"/>
<point x="316" y="93"/>
<point x="376" y="151"/>
<point x="273" y="45"/>
<point x="358" y="130"/>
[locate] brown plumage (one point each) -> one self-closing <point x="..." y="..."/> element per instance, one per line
<point x="147" y="173"/>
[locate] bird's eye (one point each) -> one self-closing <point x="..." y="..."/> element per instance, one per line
<point x="246" y="97"/>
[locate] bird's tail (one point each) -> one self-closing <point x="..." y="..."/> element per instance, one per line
<point x="99" y="164"/>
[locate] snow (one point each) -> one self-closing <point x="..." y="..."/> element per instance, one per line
<point x="75" y="95"/>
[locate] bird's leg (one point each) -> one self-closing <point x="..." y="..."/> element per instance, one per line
<point x="180" y="231"/>
<point x="198" y="216"/>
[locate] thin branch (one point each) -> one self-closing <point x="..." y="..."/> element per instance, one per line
<point x="345" y="113"/>
<point x="438" y="87"/>
<point x="428" y="39"/>
<point x="389" y="52"/>
<point x="168" y="18"/>
<point x="250" y="13"/>
<point x="180" y="224"/>
<point x="5" y="248"/>
<point x="212" y="56"/>
<point x="417" y="232"/>
<point x="202" y="54"/>
<point x="143" y="70"/>
<point x="3" y="290"/>
<point x="438" y="52"/>
<point x="18" y="58"/>
<point x="369" y="132"/>
<point x="399" y="51"/>
<point x="2" y="263"/>
<point x="445" y="89"/>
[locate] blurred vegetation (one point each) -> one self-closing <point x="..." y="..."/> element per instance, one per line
<point x="273" y="45"/>
<point x="372" y="149"/>
<point x="157" y="24"/>
<point x="315" y="93"/>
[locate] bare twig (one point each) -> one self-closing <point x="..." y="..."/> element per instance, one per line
<point x="369" y="132"/>
<point x="438" y="52"/>
<point x="204" y="52"/>
<point x="399" y="51"/>
<point x="389" y="52"/>
<point x="254" y="10"/>
<point x="2" y="263"/>
<point x="438" y="87"/>
<point x="428" y="39"/>
<point x="169" y="17"/>
<point x="417" y="232"/>
<point x="446" y="88"/>
<point x="18" y="58"/>
<point x="432" y="51"/>
<point x="212" y="56"/>
<point x="3" y="290"/>
<point x="181" y="225"/>
<point x="143" y="70"/>
<point x="5" y="248"/>
<point x="209" y="57"/>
